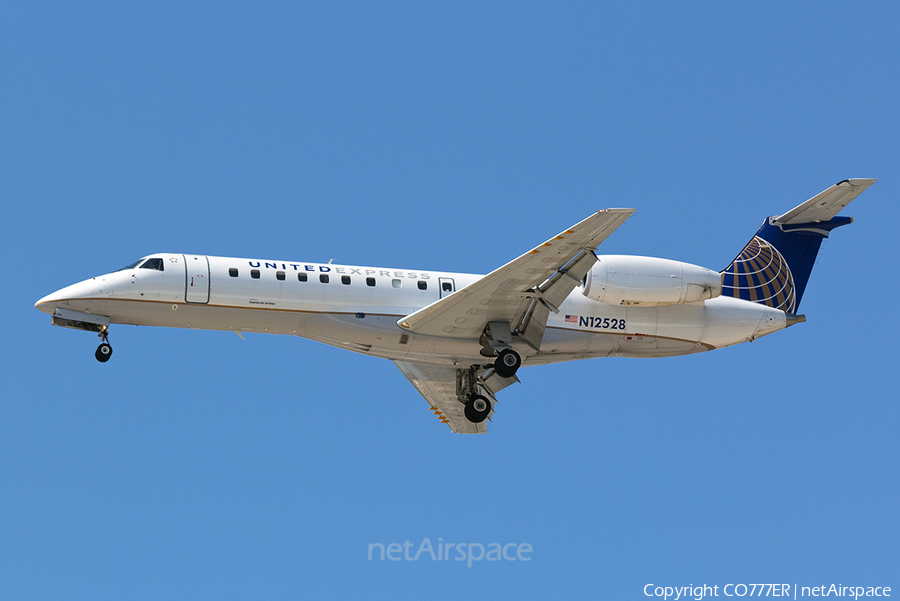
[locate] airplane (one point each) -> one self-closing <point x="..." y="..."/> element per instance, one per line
<point x="461" y="338"/>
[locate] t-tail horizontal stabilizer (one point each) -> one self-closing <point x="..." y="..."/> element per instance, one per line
<point x="774" y="267"/>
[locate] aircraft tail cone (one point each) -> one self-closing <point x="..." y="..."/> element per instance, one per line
<point x="792" y="319"/>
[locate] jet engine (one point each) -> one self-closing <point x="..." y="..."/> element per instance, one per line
<point x="628" y="280"/>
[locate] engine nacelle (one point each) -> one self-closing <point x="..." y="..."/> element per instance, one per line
<point x="627" y="280"/>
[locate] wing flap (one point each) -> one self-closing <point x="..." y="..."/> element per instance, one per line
<point x="494" y="382"/>
<point x="533" y="324"/>
<point x="555" y="290"/>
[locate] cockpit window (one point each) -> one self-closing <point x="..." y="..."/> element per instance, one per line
<point x="132" y="266"/>
<point x="155" y="263"/>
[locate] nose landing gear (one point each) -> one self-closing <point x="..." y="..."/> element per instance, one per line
<point x="104" y="351"/>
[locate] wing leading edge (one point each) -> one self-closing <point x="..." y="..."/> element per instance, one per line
<point x="525" y="290"/>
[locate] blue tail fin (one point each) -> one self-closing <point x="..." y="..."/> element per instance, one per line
<point x="774" y="267"/>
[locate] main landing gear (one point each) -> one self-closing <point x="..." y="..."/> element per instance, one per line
<point x="476" y="392"/>
<point x="507" y="363"/>
<point x="477" y="409"/>
<point x="104" y="351"/>
<point x="496" y="341"/>
<point x="478" y="406"/>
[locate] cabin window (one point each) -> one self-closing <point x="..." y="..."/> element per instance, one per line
<point x="345" y="279"/>
<point x="447" y="287"/>
<point x="233" y="272"/>
<point x="302" y="277"/>
<point x="254" y="273"/>
<point x="370" y="281"/>
<point x="422" y="285"/>
<point x="155" y="263"/>
<point x="396" y="283"/>
<point x="279" y="275"/>
<point x="323" y="278"/>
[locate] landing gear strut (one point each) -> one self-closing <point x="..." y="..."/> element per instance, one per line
<point x="104" y="351"/>
<point x="507" y="363"/>
<point x="473" y="394"/>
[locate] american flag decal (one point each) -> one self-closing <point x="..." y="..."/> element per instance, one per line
<point x="571" y="319"/>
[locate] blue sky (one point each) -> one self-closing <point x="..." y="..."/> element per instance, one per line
<point x="196" y="465"/>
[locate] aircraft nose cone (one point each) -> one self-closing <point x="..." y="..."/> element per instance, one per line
<point x="81" y="290"/>
<point x="48" y="303"/>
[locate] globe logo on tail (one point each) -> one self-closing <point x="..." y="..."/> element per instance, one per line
<point x="760" y="274"/>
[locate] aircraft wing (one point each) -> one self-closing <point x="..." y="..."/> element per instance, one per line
<point x="438" y="385"/>
<point x="525" y="290"/>
<point x="825" y="205"/>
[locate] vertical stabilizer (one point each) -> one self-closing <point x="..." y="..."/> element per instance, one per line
<point x="774" y="267"/>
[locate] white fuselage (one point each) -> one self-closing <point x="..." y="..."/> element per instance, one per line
<point x="358" y="309"/>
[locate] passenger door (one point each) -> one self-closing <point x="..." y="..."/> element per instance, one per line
<point x="196" y="279"/>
